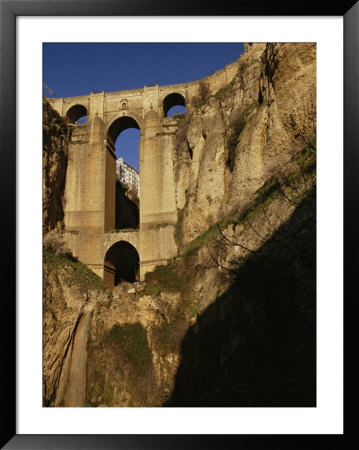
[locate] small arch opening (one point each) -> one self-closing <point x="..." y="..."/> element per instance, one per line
<point x="121" y="264"/>
<point x="174" y="104"/>
<point x="77" y="114"/>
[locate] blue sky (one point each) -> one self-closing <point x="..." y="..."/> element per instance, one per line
<point x="71" y="69"/>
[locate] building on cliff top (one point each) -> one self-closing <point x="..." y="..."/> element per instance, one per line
<point x="128" y="175"/>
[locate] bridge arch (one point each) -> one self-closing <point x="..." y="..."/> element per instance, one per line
<point x="121" y="263"/>
<point x="76" y="112"/>
<point x="171" y="100"/>
<point x="122" y="185"/>
<point x="121" y="123"/>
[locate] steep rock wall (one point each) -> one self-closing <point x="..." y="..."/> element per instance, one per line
<point x="56" y="137"/>
<point x="243" y="133"/>
<point x="105" y="347"/>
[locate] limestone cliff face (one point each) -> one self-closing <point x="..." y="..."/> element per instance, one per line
<point x="105" y="347"/>
<point x="243" y="133"/>
<point x="55" y="148"/>
<point x="133" y="354"/>
<point x="65" y="304"/>
<point x="231" y="320"/>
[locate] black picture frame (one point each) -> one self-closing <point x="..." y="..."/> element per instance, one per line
<point x="9" y="10"/>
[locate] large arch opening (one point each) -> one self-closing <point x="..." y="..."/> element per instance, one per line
<point x="123" y="138"/>
<point x="121" y="263"/>
<point x="174" y="104"/>
<point x="118" y="126"/>
<point x="77" y="114"/>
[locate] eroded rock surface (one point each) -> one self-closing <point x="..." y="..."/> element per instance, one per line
<point x="56" y="137"/>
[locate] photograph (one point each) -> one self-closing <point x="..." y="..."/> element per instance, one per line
<point x="179" y="224"/>
<point x="175" y="278"/>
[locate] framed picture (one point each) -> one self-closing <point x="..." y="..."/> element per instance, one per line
<point x="27" y="423"/>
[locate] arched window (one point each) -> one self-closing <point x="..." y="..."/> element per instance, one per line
<point x="174" y="104"/>
<point x="77" y="114"/>
<point x="121" y="263"/>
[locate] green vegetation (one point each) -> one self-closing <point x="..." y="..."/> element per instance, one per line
<point x="151" y="289"/>
<point x="108" y="390"/>
<point x="121" y="359"/>
<point x="168" y="334"/>
<point x="170" y="277"/>
<point x="192" y="306"/>
<point x="131" y="339"/>
<point x="163" y="333"/>
<point x="200" y="241"/>
<point x="79" y="274"/>
<point x="306" y="158"/>
<point x="178" y="226"/>
<point x="266" y="191"/>
<point x="165" y="336"/>
<point x="203" y="95"/>
<point x="262" y="197"/>
<point x="78" y="142"/>
<point x="122" y="230"/>
<point x="224" y="92"/>
<point x="159" y="225"/>
<point x="163" y="133"/>
<point x="72" y="231"/>
<point x="204" y="238"/>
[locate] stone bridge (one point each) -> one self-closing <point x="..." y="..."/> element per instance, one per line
<point x="90" y="192"/>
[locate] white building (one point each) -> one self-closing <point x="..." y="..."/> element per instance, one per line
<point x="128" y="175"/>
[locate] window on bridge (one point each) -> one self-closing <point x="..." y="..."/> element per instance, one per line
<point x="123" y="139"/>
<point x="174" y="104"/>
<point x="121" y="264"/>
<point x="77" y="114"/>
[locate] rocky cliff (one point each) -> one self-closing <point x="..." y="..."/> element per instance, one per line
<point x="239" y="136"/>
<point x="231" y="320"/>
<point x="56" y="137"/>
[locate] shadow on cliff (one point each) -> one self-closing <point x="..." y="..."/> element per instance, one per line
<point x="255" y="346"/>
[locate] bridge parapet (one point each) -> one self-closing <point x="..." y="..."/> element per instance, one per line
<point x="149" y="98"/>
